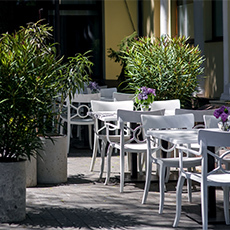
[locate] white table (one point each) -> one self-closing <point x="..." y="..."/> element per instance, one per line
<point x="104" y="116"/>
<point x="185" y="136"/>
<point x="179" y="137"/>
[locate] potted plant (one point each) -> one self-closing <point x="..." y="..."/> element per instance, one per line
<point x="32" y="77"/>
<point x="52" y="165"/>
<point x="168" y="65"/>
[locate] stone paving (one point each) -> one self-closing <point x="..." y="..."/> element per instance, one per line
<point x="84" y="202"/>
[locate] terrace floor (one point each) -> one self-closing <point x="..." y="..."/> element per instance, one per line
<point x="84" y="202"/>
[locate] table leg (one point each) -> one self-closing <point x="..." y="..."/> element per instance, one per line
<point x="211" y="190"/>
<point x="134" y="165"/>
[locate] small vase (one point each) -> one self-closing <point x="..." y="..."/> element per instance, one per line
<point x="224" y="126"/>
<point x="145" y="107"/>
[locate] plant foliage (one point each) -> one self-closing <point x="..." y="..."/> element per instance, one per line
<point x="32" y="77"/>
<point x="169" y="65"/>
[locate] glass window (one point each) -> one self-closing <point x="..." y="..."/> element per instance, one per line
<point x="217" y="19"/>
<point x="77" y="24"/>
<point x="185" y="18"/>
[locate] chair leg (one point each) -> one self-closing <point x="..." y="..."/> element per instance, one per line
<point x="90" y="136"/>
<point x="147" y="180"/>
<point x="94" y="155"/>
<point x="129" y="161"/>
<point x="143" y="160"/>
<point x="140" y="162"/>
<point x="109" y="153"/>
<point x="122" y="170"/>
<point x="226" y="205"/>
<point x="179" y="188"/>
<point x="61" y="127"/>
<point x="68" y="136"/>
<point x="167" y="174"/>
<point x="189" y="188"/>
<point x="162" y="187"/>
<point x="204" y="206"/>
<point x="103" y="146"/>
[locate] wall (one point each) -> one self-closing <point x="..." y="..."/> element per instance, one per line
<point x="213" y="52"/>
<point x="117" y="26"/>
<point x="213" y="69"/>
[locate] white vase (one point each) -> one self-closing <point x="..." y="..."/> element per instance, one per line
<point x="52" y="162"/>
<point x="224" y="126"/>
<point x="12" y="191"/>
<point x="145" y="108"/>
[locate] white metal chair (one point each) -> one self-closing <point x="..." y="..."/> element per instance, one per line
<point x="107" y="93"/>
<point x="134" y="144"/>
<point x="100" y="132"/>
<point x="122" y="96"/>
<point x="198" y="115"/>
<point x="210" y="121"/>
<point x="198" y="119"/>
<point x="184" y="121"/>
<point x="218" y="177"/>
<point x="76" y="114"/>
<point x="168" y="105"/>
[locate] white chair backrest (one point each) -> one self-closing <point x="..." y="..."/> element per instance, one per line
<point x="85" y="98"/>
<point x="210" y="121"/>
<point x="107" y="93"/>
<point x="183" y="121"/>
<point x="122" y="96"/>
<point x="168" y="105"/>
<point x="111" y="105"/>
<point x="125" y="118"/>
<point x="135" y="116"/>
<point x="198" y="114"/>
<point x="80" y="105"/>
<point x="217" y="138"/>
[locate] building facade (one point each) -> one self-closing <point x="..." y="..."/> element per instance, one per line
<point x="97" y="25"/>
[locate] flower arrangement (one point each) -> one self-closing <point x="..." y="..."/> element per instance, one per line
<point x="144" y="97"/>
<point x="223" y="112"/>
<point x="94" y="87"/>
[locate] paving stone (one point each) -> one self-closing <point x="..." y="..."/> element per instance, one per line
<point x="84" y="202"/>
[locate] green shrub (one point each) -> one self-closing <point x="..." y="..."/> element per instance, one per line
<point x="169" y="65"/>
<point x="32" y="77"/>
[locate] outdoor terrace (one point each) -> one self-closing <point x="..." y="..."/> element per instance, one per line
<point x="86" y="203"/>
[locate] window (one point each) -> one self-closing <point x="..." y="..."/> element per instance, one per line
<point x="217" y="20"/>
<point x="185" y="19"/>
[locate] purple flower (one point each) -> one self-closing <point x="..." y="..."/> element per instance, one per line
<point x="145" y="96"/>
<point x="223" y="112"/>
<point x="151" y="91"/>
<point x="216" y="113"/>
<point x="224" y="117"/>
<point x="94" y="87"/>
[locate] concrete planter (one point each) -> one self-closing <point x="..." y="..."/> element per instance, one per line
<point x="31" y="172"/>
<point x="52" y="165"/>
<point x="12" y="191"/>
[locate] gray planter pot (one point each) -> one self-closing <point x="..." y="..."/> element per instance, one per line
<point x="12" y="191"/>
<point x="31" y="172"/>
<point x="52" y="162"/>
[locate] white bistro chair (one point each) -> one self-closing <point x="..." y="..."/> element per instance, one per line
<point x="198" y="115"/>
<point x="107" y="93"/>
<point x="100" y="132"/>
<point x="211" y="121"/>
<point x="218" y="177"/>
<point x="122" y="96"/>
<point x="76" y="113"/>
<point x="133" y="144"/>
<point x="169" y="105"/>
<point x="184" y="121"/>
